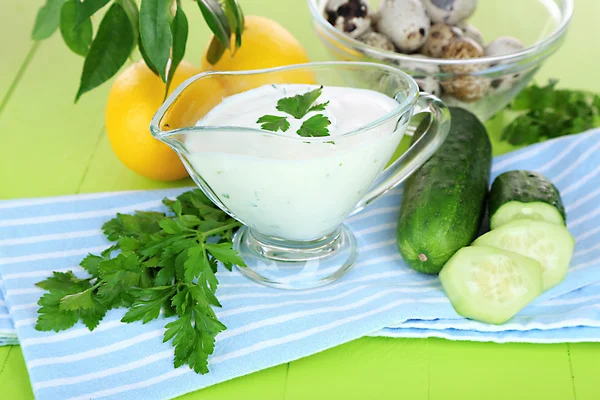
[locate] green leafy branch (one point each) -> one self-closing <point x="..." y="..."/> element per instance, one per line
<point x="546" y="112"/>
<point x="159" y="263"/>
<point x="159" y="28"/>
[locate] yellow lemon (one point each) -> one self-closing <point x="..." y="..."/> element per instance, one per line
<point x="265" y="44"/>
<point x="134" y="98"/>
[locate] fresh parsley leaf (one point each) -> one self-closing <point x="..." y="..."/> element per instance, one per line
<point x="319" y="107"/>
<point x="298" y="106"/>
<point x="225" y="253"/>
<point x="545" y="112"/>
<point x="51" y="317"/>
<point x="157" y="262"/>
<point x="80" y="300"/>
<point x="68" y="299"/>
<point x="315" y="126"/>
<point x="90" y="264"/>
<point x="147" y="307"/>
<point x="273" y="123"/>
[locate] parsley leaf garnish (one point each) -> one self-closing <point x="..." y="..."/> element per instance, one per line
<point x="273" y="123"/>
<point x="545" y="112"/>
<point x="315" y="126"/>
<point x="159" y="263"/>
<point x="298" y="106"/>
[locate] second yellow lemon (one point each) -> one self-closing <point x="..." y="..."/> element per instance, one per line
<point x="265" y="44"/>
<point x="134" y="98"/>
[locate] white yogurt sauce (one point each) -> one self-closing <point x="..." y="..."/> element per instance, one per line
<point x="278" y="183"/>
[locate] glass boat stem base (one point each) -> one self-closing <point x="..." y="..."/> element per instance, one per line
<point x="296" y="265"/>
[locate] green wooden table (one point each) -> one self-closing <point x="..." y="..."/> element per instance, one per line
<point x="49" y="146"/>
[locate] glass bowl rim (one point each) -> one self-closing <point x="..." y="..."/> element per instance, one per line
<point x="529" y="52"/>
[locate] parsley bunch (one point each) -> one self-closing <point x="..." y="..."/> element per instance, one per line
<point x="159" y="262"/>
<point x="547" y="112"/>
<point x="298" y="106"/>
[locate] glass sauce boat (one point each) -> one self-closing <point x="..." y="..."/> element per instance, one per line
<point x="293" y="193"/>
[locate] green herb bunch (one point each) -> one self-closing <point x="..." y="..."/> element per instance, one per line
<point x="159" y="262"/>
<point x="546" y="112"/>
<point x="159" y="28"/>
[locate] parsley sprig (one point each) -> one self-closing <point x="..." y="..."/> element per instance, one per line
<point x="298" y="106"/>
<point x="546" y="112"/>
<point x="159" y="263"/>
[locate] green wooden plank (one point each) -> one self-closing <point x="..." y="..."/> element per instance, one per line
<point x="469" y="370"/>
<point x="585" y="367"/>
<point x="14" y="380"/>
<point x="47" y="140"/>
<point x="16" y="22"/>
<point x="268" y="384"/>
<point x="4" y="352"/>
<point x="368" y="368"/>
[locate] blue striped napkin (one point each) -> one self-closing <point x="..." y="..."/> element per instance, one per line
<point x="267" y="327"/>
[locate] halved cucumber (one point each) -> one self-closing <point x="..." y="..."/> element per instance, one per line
<point x="550" y="244"/>
<point x="489" y="284"/>
<point x="516" y="210"/>
<point x="524" y="195"/>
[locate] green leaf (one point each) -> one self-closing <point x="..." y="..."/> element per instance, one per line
<point x="195" y="264"/>
<point x="225" y="253"/>
<point x="319" y="107"/>
<point x="148" y="306"/>
<point x="82" y="300"/>
<point x="170" y="226"/>
<point x="87" y="8"/>
<point x="235" y="16"/>
<point x="51" y="317"/>
<point x="90" y="264"/>
<point x="137" y="225"/>
<point x="216" y="20"/>
<point x="65" y="282"/>
<point x="47" y="19"/>
<point x="128" y="243"/>
<point x="146" y="58"/>
<point x="108" y="51"/>
<point x="92" y="316"/>
<point x="216" y="49"/>
<point x="155" y="30"/>
<point x="77" y="37"/>
<point x="298" y="106"/>
<point x="179" y="31"/>
<point x="273" y="123"/>
<point x="131" y="9"/>
<point x="315" y="126"/>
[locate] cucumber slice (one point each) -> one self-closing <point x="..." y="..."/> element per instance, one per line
<point x="550" y="244"/>
<point x="536" y="211"/>
<point x="489" y="284"/>
<point x="524" y="195"/>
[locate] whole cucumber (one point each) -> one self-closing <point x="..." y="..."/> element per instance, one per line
<point x="444" y="200"/>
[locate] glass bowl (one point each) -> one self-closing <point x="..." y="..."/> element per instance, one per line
<point x="540" y="25"/>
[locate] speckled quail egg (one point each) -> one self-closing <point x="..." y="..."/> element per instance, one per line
<point x="449" y="11"/>
<point x="422" y="74"/>
<point x="462" y="48"/>
<point x="499" y="47"/>
<point x="405" y="22"/>
<point x="470" y="31"/>
<point x="465" y="87"/>
<point x="349" y="16"/>
<point x="440" y="36"/>
<point x="378" y="40"/>
<point x="503" y="45"/>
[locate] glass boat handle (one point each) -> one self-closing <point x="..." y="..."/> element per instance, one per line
<point x="418" y="153"/>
